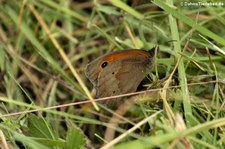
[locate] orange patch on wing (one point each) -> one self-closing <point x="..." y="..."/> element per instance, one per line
<point x="124" y="54"/>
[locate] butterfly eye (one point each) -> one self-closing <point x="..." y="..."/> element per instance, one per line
<point x="104" y="64"/>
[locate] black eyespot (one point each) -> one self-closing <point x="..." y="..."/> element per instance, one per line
<point x="104" y="64"/>
<point x="114" y="92"/>
<point x="113" y="73"/>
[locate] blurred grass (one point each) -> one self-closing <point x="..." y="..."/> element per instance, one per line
<point x="33" y="75"/>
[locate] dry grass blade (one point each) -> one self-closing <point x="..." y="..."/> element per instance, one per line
<point x="62" y="53"/>
<point x="119" y="138"/>
<point x="3" y="143"/>
<point x="43" y="99"/>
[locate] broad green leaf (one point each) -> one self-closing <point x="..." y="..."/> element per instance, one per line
<point x="38" y="127"/>
<point x="75" y="139"/>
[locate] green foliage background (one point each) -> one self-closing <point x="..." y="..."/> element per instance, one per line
<point x="34" y="75"/>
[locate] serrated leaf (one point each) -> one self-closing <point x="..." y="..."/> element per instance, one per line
<point x="39" y="128"/>
<point x="75" y="139"/>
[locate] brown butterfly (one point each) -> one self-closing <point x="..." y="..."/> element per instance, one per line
<point x="119" y="72"/>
